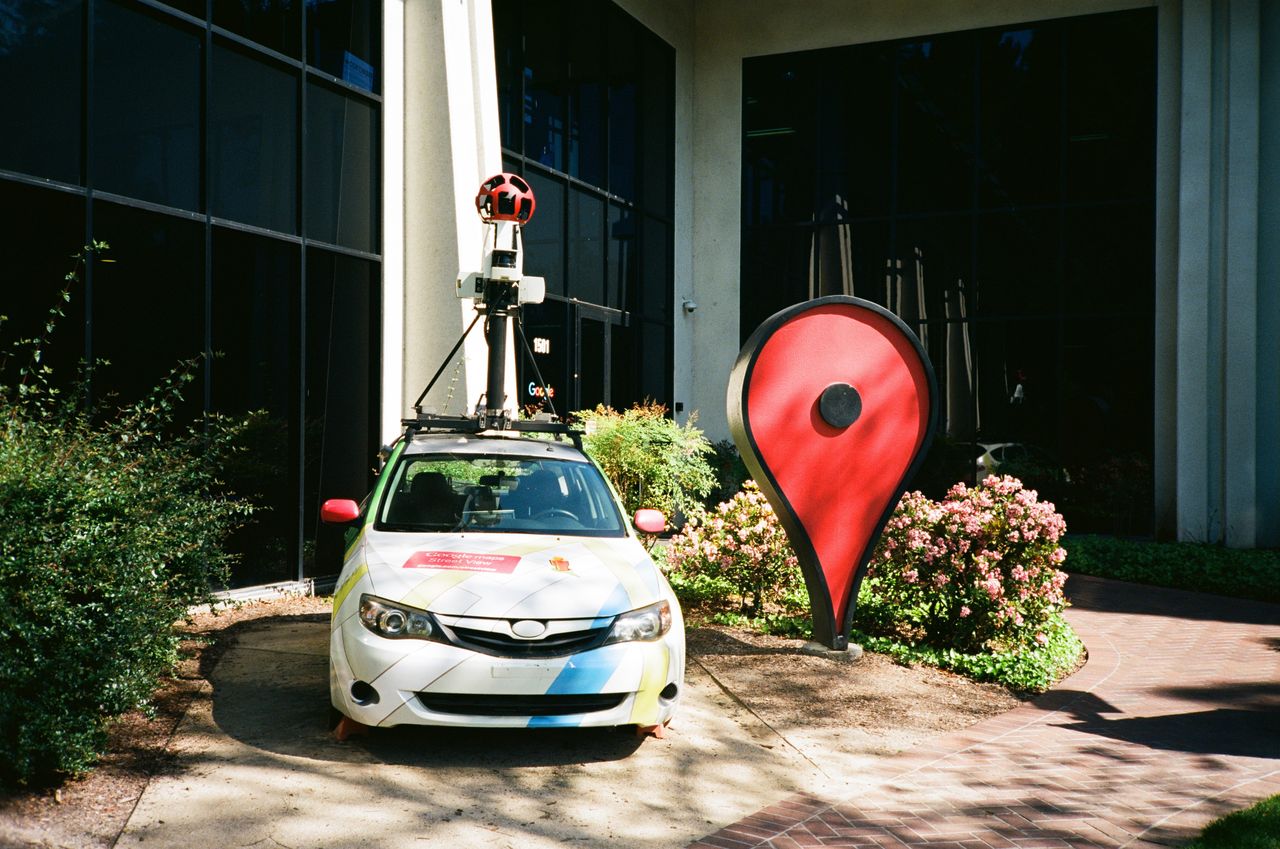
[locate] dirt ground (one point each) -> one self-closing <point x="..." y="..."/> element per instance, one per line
<point x="882" y="709"/>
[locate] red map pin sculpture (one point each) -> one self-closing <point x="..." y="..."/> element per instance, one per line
<point x="832" y="405"/>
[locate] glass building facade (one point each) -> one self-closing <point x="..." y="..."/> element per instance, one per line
<point x="228" y="152"/>
<point x="587" y="112"/>
<point x="995" y="189"/>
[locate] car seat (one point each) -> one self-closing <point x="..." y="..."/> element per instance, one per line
<point x="537" y="492"/>
<point x="434" y="500"/>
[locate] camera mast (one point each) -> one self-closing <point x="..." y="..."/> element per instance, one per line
<point x="505" y="203"/>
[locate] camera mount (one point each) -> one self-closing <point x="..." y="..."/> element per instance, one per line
<point x="505" y="203"/>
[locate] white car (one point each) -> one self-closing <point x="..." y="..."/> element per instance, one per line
<point x="494" y="581"/>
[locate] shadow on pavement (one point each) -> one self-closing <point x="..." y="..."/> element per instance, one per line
<point x="274" y="695"/>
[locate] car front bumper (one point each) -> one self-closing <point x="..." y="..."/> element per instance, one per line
<point x="383" y="682"/>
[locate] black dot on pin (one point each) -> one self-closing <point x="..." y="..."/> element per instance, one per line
<point x="840" y="405"/>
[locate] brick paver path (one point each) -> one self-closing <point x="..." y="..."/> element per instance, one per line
<point x="1174" y="721"/>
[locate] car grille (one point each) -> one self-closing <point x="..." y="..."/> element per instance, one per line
<point x="479" y="704"/>
<point x="504" y="645"/>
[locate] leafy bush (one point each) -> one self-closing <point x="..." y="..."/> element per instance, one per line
<point x="975" y="571"/>
<point x="740" y="544"/>
<point x="651" y="460"/>
<point x="1239" y="573"/>
<point x="1255" y="827"/>
<point x="110" y="529"/>
<point x="731" y="473"/>
<point x="1028" y="669"/>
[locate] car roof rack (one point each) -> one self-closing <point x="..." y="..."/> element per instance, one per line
<point x="479" y="424"/>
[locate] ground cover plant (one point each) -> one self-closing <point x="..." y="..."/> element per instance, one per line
<point x="1257" y="827"/>
<point x="1239" y="573"/>
<point x="968" y="584"/>
<point x="111" y="527"/>
<point x="651" y="460"/>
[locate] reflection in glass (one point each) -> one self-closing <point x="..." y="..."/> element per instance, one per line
<point x="271" y="23"/>
<point x="253" y="132"/>
<point x="1011" y="209"/>
<point x="657" y="133"/>
<point x="35" y="252"/>
<point x="592" y="357"/>
<point x="586" y="90"/>
<point x="545" y="329"/>
<point x="157" y="267"/>
<point x="41" y="66"/>
<point x="343" y="39"/>
<point x="146" y="115"/>
<point x="657" y="273"/>
<point x="339" y="424"/>
<point x="622" y="258"/>
<point x="586" y="108"/>
<point x="255" y="299"/>
<point x="586" y="247"/>
<point x="543" y="73"/>
<point x="342" y="169"/>
<point x="544" y="238"/>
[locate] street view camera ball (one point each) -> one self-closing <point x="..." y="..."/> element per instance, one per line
<point x="505" y="197"/>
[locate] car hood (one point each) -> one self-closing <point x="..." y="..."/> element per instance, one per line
<point x="512" y="576"/>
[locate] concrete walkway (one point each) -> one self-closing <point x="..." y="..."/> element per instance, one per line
<point x="1174" y="721"/>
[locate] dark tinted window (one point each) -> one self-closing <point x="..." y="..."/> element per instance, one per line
<point x="256" y="306"/>
<point x="341" y="322"/>
<point x="271" y="23"/>
<point x="41" y="65"/>
<point x="157" y="272"/>
<point x="253" y="138"/>
<point x="218" y="138"/>
<point x="146" y="106"/>
<point x="342" y="169"/>
<point x="587" y="105"/>
<point x="343" y="39"/>
<point x="994" y="189"/>
<point x="36" y="247"/>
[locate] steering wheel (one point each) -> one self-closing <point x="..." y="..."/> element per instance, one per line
<point x="556" y="511"/>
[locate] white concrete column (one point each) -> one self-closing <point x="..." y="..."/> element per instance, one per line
<point x="1217" y="393"/>
<point x="451" y="144"/>
<point x="1240" y="440"/>
<point x="393" y="247"/>
<point x="1196" y="390"/>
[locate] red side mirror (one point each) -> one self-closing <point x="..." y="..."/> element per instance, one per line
<point x="339" y="511"/>
<point x="650" y="521"/>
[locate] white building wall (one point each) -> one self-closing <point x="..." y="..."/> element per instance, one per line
<point x="1217" y="357"/>
<point x="451" y="143"/>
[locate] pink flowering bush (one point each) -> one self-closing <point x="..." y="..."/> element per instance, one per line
<point x="739" y="543"/>
<point x="976" y="571"/>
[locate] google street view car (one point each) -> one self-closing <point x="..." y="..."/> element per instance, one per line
<point x="491" y="578"/>
<point x="494" y="581"/>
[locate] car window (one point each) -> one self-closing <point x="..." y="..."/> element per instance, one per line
<point x="447" y="493"/>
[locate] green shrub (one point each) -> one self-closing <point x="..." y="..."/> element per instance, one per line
<point x="1255" y="827"/>
<point x="110" y="529"/>
<point x="1027" y="669"/>
<point x="731" y="473"/>
<point x="740" y="544"/>
<point x="652" y="461"/>
<point x="1239" y="573"/>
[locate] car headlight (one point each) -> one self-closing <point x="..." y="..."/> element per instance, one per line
<point x="395" y="621"/>
<point x="647" y="623"/>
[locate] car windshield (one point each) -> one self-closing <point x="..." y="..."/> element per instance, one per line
<point x="444" y="493"/>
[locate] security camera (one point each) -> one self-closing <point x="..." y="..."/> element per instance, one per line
<point x="690" y="305"/>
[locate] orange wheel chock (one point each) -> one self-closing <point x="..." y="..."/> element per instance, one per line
<point x="348" y="727"/>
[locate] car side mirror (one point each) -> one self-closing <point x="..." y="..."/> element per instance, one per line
<point x="650" y="521"/>
<point x="339" y="511"/>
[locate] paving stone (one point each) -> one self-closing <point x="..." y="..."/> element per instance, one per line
<point x="1174" y="721"/>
